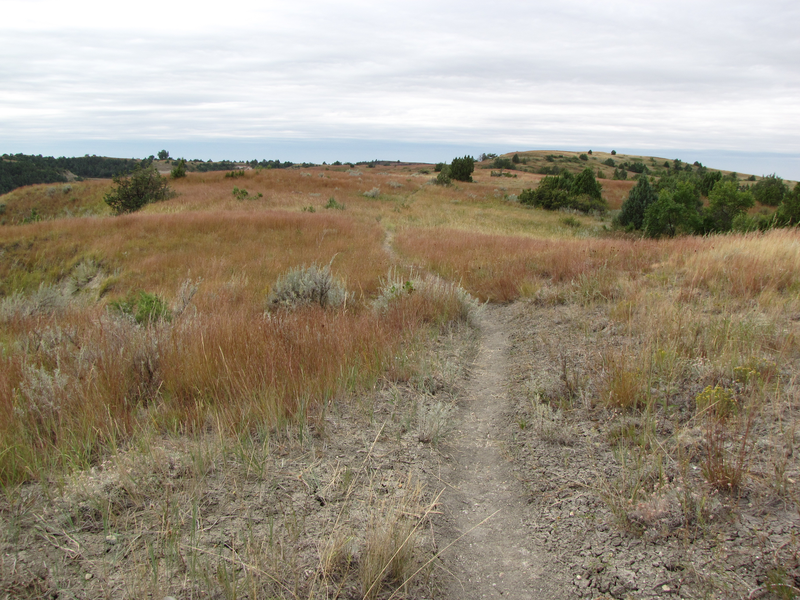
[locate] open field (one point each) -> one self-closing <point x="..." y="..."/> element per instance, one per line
<point x="218" y="447"/>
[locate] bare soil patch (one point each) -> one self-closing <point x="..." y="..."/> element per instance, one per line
<point x="684" y="540"/>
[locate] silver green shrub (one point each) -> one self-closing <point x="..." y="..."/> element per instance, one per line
<point x="308" y="285"/>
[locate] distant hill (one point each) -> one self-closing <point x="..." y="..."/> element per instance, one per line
<point x="625" y="166"/>
<point x="17" y="170"/>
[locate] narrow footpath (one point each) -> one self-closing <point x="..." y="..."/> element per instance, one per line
<point x="484" y="505"/>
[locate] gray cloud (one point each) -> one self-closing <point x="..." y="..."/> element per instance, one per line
<point x="527" y="74"/>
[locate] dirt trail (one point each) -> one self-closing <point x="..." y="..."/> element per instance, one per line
<point x="484" y="502"/>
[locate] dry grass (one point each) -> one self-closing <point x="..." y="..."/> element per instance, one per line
<point x="55" y="200"/>
<point x="224" y="249"/>
<point x="499" y="268"/>
<point x="83" y="381"/>
<point x="744" y="266"/>
<point x="79" y="385"/>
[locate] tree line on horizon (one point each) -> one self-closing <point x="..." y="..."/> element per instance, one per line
<point x="18" y="170"/>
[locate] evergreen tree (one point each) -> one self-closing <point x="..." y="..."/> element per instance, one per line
<point x="631" y="215"/>
<point x="179" y="170"/>
<point x="585" y="183"/>
<point x="789" y="211"/>
<point x="461" y="168"/>
<point x="669" y="216"/>
<point x="145" y="185"/>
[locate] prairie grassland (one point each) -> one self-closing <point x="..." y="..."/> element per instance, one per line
<point x="156" y="252"/>
<point x="502" y="268"/>
<point x="79" y="382"/>
<point x="54" y="200"/>
<point x="687" y="353"/>
<point x="404" y="197"/>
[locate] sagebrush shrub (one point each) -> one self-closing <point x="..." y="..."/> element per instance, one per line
<point x="308" y="285"/>
<point x="432" y="289"/>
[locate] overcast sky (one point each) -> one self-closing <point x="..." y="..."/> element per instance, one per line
<point x="254" y="79"/>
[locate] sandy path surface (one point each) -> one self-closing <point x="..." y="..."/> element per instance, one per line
<point x="485" y="506"/>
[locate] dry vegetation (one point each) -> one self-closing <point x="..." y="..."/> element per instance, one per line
<point x="121" y="441"/>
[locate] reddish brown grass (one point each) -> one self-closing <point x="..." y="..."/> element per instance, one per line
<point x="228" y="367"/>
<point x="495" y="267"/>
<point x="615" y="192"/>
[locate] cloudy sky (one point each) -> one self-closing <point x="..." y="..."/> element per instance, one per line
<point x="355" y="80"/>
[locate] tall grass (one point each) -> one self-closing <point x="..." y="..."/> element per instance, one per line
<point x="745" y="266"/>
<point x="496" y="268"/>
<point x="157" y="252"/>
<point x="499" y="268"/>
<point x="75" y="384"/>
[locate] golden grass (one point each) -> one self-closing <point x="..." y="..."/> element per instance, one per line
<point x="55" y="200"/>
<point x="156" y="252"/>
<point x="745" y="266"/>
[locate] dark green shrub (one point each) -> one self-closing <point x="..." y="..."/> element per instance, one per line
<point x="583" y="157"/>
<point x="162" y="155"/>
<point x="332" y="203"/>
<point x="515" y="159"/>
<point x="770" y="191"/>
<point x="789" y="211"/>
<point x="631" y="215"/>
<point x="566" y="191"/>
<point x="143" y="186"/>
<point x="613" y="153"/>
<point x="243" y="194"/>
<point x="439" y="166"/>
<point x="554" y="170"/>
<point x="461" y="168"/>
<point x="586" y="184"/>
<point x="667" y="216"/>
<point x="708" y="181"/>
<point x="745" y="223"/>
<point x="610" y="162"/>
<point x="725" y="202"/>
<point x="443" y="178"/>
<point x="636" y="166"/>
<point x="502" y="162"/>
<point x="179" y="170"/>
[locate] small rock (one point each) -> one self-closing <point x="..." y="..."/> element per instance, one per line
<point x="666" y="588"/>
<point x="88" y="576"/>
<point x="111" y="539"/>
